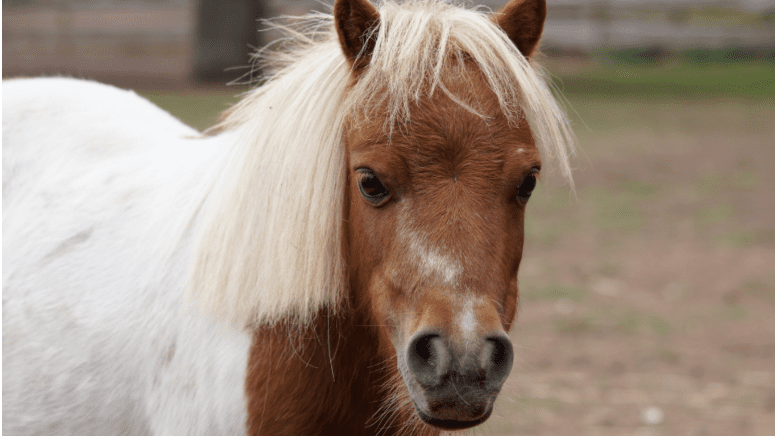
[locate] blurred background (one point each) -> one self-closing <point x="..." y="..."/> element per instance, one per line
<point x="648" y="295"/>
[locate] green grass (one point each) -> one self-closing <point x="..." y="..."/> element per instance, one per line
<point x="529" y="403"/>
<point x="674" y="78"/>
<point x="555" y="292"/>
<point x="632" y="123"/>
<point x="614" y="319"/>
<point x="715" y="214"/>
<point x="640" y="190"/>
<point x="616" y="209"/>
<point x="633" y="322"/>
<point x="737" y="180"/>
<point x="735" y="312"/>
<point x="199" y="109"/>
<point x="608" y="268"/>
<point x="746" y="238"/>
<point x="573" y="326"/>
<point x="760" y="289"/>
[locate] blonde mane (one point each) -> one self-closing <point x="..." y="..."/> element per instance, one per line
<point x="270" y="244"/>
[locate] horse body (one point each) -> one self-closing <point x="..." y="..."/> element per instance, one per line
<point x="339" y="257"/>
<point x="97" y="338"/>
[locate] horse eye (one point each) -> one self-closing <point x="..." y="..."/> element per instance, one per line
<point x="527" y="186"/>
<point x="371" y="187"/>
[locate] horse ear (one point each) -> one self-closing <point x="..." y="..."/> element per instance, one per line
<point x="354" y="21"/>
<point x="523" y="22"/>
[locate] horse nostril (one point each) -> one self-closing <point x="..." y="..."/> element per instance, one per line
<point x="427" y="358"/>
<point x="422" y="347"/>
<point x="499" y="356"/>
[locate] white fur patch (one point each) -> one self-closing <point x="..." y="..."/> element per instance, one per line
<point x="467" y="318"/>
<point x="430" y="261"/>
<point x="99" y="186"/>
<point x="434" y="263"/>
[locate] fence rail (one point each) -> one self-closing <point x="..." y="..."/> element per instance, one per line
<point x="155" y="38"/>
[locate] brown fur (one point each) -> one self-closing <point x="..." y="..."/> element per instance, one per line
<point x="453" y="177"/>
<point x="355" y="20"/>
<point x="325" y="379"/>
<point x="523" y="22"/>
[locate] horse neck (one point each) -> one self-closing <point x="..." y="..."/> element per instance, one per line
<point x="331" y="377"/>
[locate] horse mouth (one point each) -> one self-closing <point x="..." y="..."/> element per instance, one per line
<point x="451" y="424"/>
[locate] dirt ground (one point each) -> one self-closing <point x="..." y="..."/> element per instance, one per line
<point x="648" y="299"/>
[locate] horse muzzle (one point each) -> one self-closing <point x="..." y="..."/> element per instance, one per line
<point x="453" y="383"/>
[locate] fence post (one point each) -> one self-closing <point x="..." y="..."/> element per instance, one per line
<point x="226" y="33"/>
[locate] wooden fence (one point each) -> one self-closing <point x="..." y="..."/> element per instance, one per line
<point x="152" y="41"/>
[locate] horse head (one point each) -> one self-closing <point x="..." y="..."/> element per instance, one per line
<point x="435" y="208"/>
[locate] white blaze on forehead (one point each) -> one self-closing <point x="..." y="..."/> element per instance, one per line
<point x="430" y="261"/>
<point x="436" y="264"/>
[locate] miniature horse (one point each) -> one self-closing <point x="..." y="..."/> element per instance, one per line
<point x="338" y="256"/>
